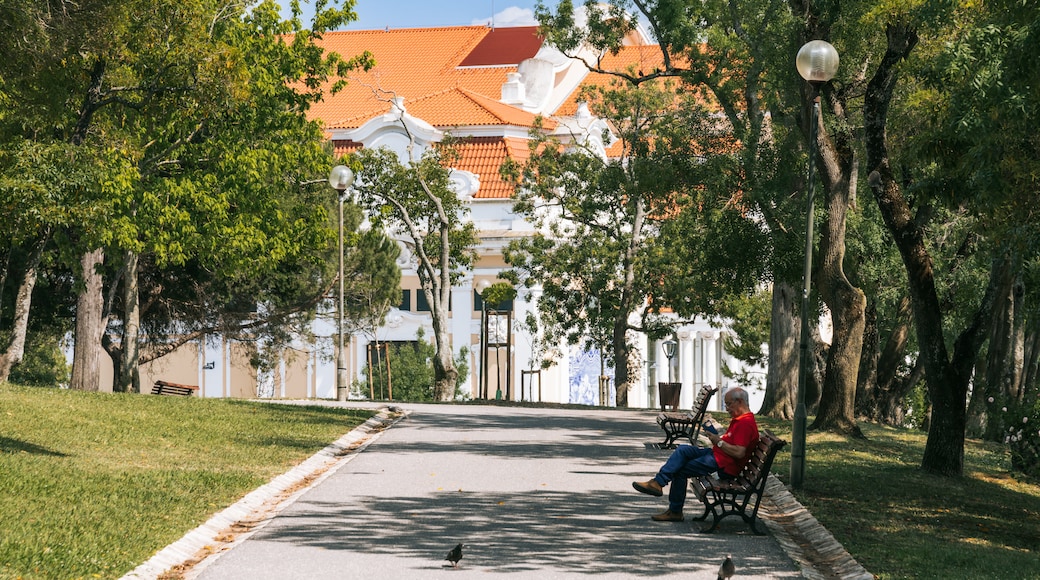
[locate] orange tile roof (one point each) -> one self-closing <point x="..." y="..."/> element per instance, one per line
<point x="341" y="147"/>
<point x="484" y="156"/>
<point x="458" y="107"/>
<point x="419" y="62"/>
<point x="452" y="77"/>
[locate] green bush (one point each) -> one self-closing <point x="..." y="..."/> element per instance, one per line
<point x="43" y="365"/>
<point x="1021" y="427"/>
<point x="411" y="372"/>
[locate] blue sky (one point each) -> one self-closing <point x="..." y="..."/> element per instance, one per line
<point x="375" y="14"/>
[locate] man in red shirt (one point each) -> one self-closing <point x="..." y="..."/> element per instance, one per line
<point x="728" y="454"/>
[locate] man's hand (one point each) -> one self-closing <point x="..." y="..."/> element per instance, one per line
<point x="735" y="451"/>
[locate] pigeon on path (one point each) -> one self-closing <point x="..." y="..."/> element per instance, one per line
<point x="454" y="556"/>
<point x="727" y="570"/>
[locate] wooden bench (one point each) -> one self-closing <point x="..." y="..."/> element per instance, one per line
<point x="740" y="495"/>
<point x="685" y="424"/>
<point x="165" y="388"/>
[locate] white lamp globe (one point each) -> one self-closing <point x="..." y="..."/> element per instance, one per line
<point x="817" y="61"/>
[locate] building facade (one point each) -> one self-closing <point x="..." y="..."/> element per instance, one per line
<point x="488" y="88"/>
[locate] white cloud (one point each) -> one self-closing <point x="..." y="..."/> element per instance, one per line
<point x="512" y="16"/>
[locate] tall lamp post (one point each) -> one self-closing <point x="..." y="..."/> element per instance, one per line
<point x="341" y="178"/>
<point x="817" y="62"/>
<point x="481" y="287"/>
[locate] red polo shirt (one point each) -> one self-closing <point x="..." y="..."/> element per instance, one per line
<point x="742" y="431"/>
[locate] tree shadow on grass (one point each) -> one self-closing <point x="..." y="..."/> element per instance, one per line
<point x="8" y="445"/>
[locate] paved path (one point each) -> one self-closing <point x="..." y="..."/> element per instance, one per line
<point x="533" y="493"/>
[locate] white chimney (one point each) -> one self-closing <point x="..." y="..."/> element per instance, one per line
<point x="513" y="90"/>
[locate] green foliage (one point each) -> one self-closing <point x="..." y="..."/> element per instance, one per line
<point x="176" y="131"/>
<point x="657" y="222"/>
<point x="497" y="293"/>
<point x="1020" y="425"/>
<point x="411" y="372"/>
<point x="749" y="321"/>
<point x="44" y="364"/>
<point x="372" y="280"/>
<point x="418" y="199"/>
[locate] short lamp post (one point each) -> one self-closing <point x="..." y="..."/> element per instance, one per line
<point x="341" y="178"/>
<point x="817" y="62"/>
<point x="669" y="352"/>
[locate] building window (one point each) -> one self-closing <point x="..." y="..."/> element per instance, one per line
<point x="406" y="301"/>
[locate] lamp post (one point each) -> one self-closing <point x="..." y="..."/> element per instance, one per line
<point x="669" y="352"/>
<point x="817" y="62"/>
<point x="481" y="287"/>
<point x="341" y="178"/>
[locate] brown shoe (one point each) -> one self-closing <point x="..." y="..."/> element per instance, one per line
<point x="649" y="487"/>
<point x="667" y="516"/>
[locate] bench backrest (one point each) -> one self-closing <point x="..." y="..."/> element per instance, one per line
<point x="165" y="388"/>
<point x="700" y="408"/>
<point x="753" y="476"/>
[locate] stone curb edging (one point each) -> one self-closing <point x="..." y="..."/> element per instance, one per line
<point x="810" y="545"/>
<point x="240" y="520"/>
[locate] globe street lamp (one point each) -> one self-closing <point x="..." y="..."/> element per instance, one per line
<point x="341" y="178"/>
<point x="817" y="62"/>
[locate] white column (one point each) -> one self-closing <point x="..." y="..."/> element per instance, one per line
<point x="462" y="323"/>
<point x="523" y="339"/>
<point x="710" y="356"/>
<point x="686" y="369"/>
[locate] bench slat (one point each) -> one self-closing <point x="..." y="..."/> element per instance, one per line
<point x="173" y="389"/>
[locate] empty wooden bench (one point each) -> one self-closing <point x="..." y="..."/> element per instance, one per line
<point x="165" y="388"/>
<point x="743" y="494"/>
<point x="685" y="424"/>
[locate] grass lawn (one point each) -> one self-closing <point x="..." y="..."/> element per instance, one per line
<point x="899" y="522"/>
<point x="92" y="484"/>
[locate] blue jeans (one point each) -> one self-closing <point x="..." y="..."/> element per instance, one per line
<point x="685" y="462"/>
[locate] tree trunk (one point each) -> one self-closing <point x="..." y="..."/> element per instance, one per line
<point x="884" y="404"/>
<point x="15" y="348"/>
<point x="129" y="378"/>
<point x="947" y="378"/>
<point x="837" y="409"/>
<point x="1031" y="358"/>
<point x="86" y="359"/>
<point x="890" y="400"/>
<point x="866" y="381"/>
<point x="444" y="372"/>
<point x="782" y="374"/>
<point x="621" y="362"/>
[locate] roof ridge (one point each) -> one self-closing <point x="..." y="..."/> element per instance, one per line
<point x="464" y="50"/>
<point x="403" y="29"/>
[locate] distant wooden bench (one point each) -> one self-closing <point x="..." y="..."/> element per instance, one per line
<point x="165" y="388"/>
<point x="743" y="494"/>
<point x="686" y="424"/>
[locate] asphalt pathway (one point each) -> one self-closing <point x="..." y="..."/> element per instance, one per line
<point x="531" y="492"/>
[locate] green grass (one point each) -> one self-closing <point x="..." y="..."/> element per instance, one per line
<point x="899" y="522"/>
<point x="91" y="484"/>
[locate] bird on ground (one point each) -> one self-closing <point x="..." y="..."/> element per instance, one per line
<point x="454" y="556"/>
<point x="727" y="569"/>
